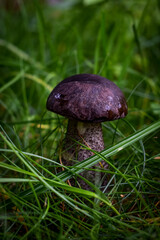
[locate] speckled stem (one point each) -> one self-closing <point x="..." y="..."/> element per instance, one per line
<point x="89" y="134"/>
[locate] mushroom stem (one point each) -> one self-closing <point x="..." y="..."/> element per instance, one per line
<point x="89" y="134"/>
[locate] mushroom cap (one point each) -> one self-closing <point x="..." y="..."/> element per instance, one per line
<point x="88" y="98"/>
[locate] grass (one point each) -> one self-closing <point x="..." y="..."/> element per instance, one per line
<point x="40" y="46"/>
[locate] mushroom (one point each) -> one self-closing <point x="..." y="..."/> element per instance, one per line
<point x="86" y="100"/>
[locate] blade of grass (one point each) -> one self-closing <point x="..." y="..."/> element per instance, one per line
<point x="18" y="52"/>
<point x="128" y="141"/>
<point x="93" y="160"/>
<point x="79" y="167"/>
<point x="39" y="81"/>
<point x="48" y="186"/>
<point x="14" y="80"/>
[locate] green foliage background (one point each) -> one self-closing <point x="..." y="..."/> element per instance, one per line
<point x="42" y="44"/>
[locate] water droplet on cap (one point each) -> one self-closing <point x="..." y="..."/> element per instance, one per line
<point x="57" y="96"/>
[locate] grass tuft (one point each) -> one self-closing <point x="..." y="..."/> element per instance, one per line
<point x="42" y="44"/>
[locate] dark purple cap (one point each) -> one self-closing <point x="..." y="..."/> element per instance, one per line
<point x="88" y="98"/>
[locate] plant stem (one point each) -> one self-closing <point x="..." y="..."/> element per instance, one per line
<point x="89" y="134"/>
